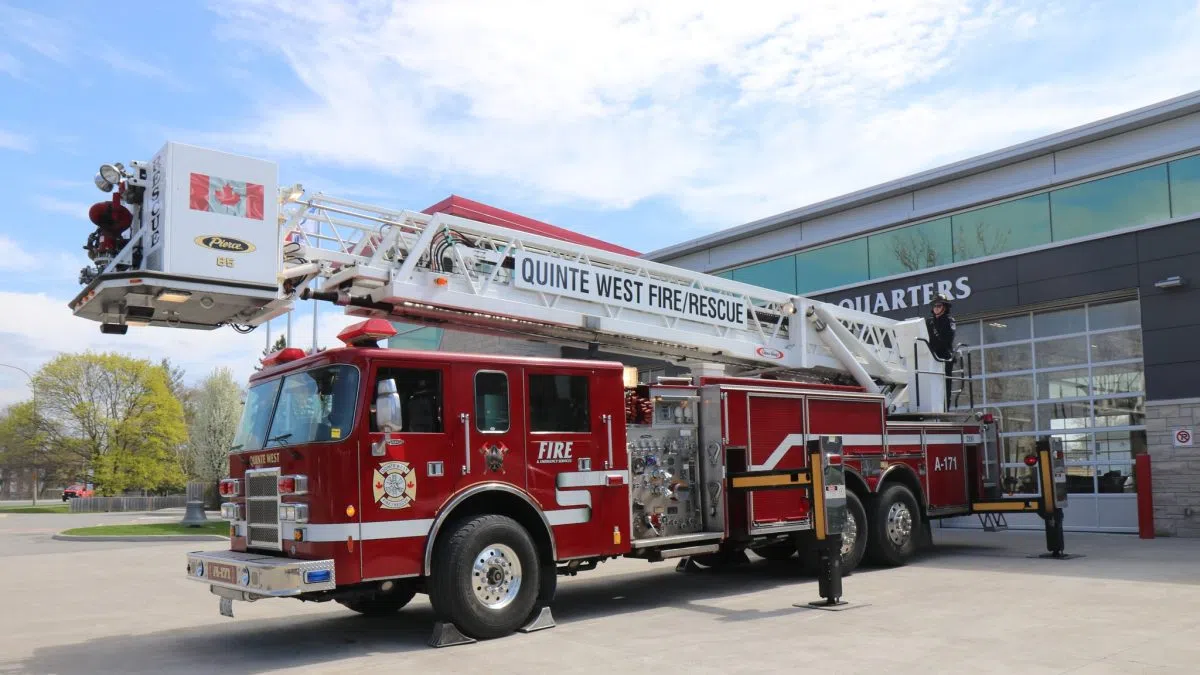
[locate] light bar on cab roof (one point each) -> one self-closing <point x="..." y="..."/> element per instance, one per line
<point x="285" y="355"/>
<point x="367" y="333"/>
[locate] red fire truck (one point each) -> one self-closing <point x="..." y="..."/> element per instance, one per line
<point x="365" y="475"/>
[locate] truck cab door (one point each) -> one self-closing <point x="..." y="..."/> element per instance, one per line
<point x="405" y="475"/>
<point x="490" y="429"/>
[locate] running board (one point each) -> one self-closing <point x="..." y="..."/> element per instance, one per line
<point x="685" y="552"/>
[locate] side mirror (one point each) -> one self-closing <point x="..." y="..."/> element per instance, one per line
<point x="388" y="417"/>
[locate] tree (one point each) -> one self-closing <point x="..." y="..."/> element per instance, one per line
<point x="279" y="344"/>
<point x="211" y="431"/>
<point x="116" y="415"/>
<point x="25" y="445"/>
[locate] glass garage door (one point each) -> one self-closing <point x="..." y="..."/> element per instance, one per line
<point x="1075" y="374"/>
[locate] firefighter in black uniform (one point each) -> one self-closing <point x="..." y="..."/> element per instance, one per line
<point x="941" y="331"/>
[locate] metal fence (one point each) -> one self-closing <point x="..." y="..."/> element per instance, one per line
<point x="196" y="491"/>
<point x="108" y="504"/>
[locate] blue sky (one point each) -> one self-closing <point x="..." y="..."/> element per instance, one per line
<point x="642" y="123"/>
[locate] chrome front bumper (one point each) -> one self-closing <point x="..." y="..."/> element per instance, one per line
<point x="252" y="576"/>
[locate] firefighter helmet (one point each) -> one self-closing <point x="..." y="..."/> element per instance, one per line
<point x="942" y="298"/>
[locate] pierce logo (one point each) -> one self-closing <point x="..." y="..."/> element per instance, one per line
<point x="769" y="353"/>
<point x="555" y="452"/>
<point x="227" y="244"/>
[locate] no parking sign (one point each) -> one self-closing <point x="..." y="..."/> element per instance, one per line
<point x="1183" y="438"/>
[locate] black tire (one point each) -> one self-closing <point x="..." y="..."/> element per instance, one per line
<point x="894" y="525"/>
<point x="382" y="604"/>
<point x="854" y="539"/>
<point x="777" y="551"/>
<point x="855" y="536"/>
<point x="458" y="592"/>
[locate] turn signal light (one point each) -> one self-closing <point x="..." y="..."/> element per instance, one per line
<point x="1031" y="460"/>
<point x="988" y="418"/>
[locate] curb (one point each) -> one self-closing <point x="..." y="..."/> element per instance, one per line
<point x="141" y="537"/>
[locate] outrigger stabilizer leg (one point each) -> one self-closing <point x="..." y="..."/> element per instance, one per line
<point x="829" y="575"/>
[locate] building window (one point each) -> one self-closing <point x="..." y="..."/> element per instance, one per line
<point x="1021" y="223"/>
<point x="909" y="249"/>
<point x="1076" y="375"/>
<point x="1185" y="186"/>
<point x="558" y="403"/>
<point x="778" y="274"/>
<point x="1123" y="200"/>
<point x="1142" y="196"/>
<point x="831" y="266"/>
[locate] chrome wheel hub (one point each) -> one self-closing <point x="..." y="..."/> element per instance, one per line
<point x="496" y="576"/>
<point x="899" y="524"/>
<point x="849" y="535"/>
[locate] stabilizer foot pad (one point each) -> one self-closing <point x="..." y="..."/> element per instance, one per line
<point x="227" y="607"/>
<point x="1051" y="556"/>
<point x="542" y="621"/>
<point x="687" y="565"/>
<point x="447" y="635"/>
<point x="839" y="606"/>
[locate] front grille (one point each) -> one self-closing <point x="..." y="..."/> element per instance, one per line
<point x="262" y="508"/>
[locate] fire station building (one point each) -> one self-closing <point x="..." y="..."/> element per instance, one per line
<point x="1074" y="265"/>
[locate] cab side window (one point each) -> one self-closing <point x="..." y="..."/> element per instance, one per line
<point x="420" y="398"/>
<point x="491" y="402"/>
<point x="559" y="403"/>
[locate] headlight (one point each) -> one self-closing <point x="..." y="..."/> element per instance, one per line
<point x="110" y="173"/>
<point x="230" y="511"/>
<point x="297" y="513"/>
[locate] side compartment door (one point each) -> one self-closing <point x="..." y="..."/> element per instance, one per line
<point x="946" y="466"/>
<point x="404" y="480"/>
<point x="776" y="442"/>
<point x="570" y="429"/>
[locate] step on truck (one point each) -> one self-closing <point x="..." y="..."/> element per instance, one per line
<point x="365" y="475"/>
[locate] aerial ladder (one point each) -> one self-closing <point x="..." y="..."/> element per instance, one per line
<point x="188" y="257"/>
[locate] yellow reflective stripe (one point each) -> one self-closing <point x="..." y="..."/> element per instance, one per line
<point x="991" y="507"/>
<point x="1048" y="493"/>
<point x="775" y="480"/>
<point x="818" y="504"/>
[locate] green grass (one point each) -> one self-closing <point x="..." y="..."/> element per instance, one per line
<point x="53" y="508"/>
<point x="220" y="527"/>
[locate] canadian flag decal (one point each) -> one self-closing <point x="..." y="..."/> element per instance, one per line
<point x="228" y="197"/>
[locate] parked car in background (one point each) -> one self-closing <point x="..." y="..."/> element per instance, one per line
<point x="76" y="490"/>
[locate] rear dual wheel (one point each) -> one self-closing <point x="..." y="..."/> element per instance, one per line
<point x="487" y="577"/>
<point x="894" y="526"/>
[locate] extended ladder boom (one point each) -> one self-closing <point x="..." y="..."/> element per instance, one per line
<point x="447" y="270"/>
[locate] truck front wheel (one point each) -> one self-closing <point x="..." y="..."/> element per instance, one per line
<point x="487" y="576"/>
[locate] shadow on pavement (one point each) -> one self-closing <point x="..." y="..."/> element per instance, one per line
<point x="252" y="646"/>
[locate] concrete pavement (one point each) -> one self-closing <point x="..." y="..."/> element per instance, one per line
<point x="976" y="604"/>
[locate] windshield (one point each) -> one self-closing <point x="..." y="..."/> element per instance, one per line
<point x="311" y="406"/>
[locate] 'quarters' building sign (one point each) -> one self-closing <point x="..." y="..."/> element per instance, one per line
<point x="564" y="277"/>
<point x="907" y="297"/>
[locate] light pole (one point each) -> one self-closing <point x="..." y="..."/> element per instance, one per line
<point x="33" y="392"/>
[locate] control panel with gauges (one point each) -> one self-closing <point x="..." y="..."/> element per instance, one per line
<point x="664" y="461"/>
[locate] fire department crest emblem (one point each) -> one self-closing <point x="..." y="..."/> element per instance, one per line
<point x="395" y="485"/>
<point x="493" y="455"/>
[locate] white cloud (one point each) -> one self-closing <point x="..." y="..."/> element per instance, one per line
<point x="40" y="326"/>
<point x="733" y="114"/>
<point x="11" y="141"/>
<point x="64" y="40"/>
<point x="62" y="207"/>
<point x="10" y="65"/>
<point x="16" y="258"/>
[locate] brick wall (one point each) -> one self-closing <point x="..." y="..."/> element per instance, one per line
<point x="1175" y="471"/>
<point x="471" y="343"/>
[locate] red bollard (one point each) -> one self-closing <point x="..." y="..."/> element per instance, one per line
<point x="1145" y="496"/>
